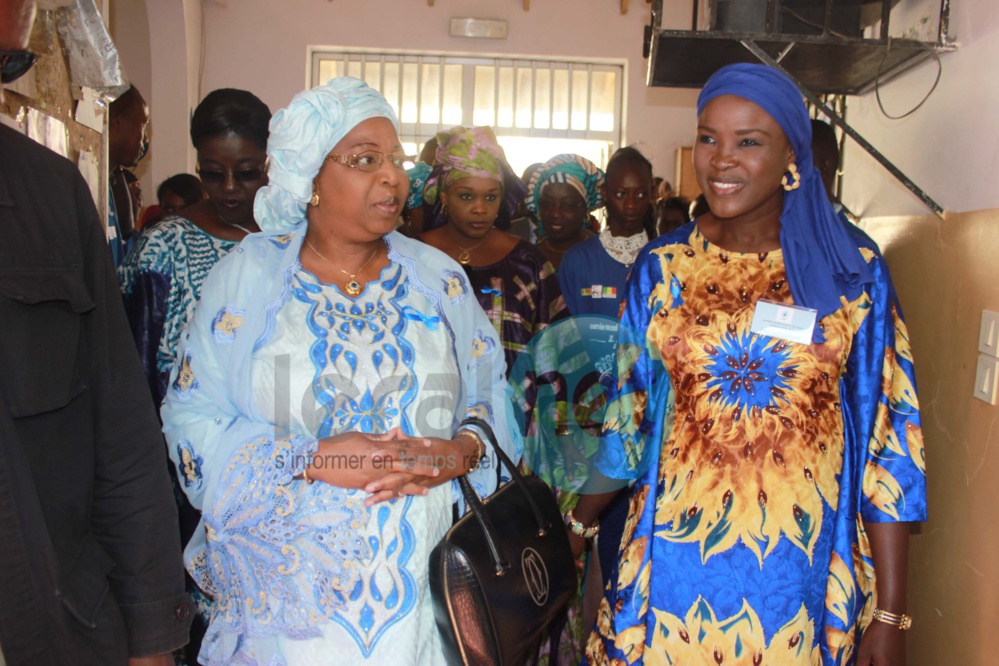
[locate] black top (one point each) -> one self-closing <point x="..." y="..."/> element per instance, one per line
<point x="85" y="501"/>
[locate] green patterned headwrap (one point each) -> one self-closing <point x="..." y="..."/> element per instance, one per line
<point x="464" y="152"/>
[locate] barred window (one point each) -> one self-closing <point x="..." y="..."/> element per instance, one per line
<point x="537" y="107"/>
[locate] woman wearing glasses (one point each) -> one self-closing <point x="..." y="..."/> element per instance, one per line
<point x="161" y="277"/>
<point x="316" y="413"/>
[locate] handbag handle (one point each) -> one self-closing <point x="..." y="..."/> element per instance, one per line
<point x="475" y="504"/>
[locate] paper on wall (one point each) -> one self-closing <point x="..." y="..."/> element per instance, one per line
<point x="48" y="131"/>
<point x="87" y="164"/>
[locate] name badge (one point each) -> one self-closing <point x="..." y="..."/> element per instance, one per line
<point x="787" y="322"/>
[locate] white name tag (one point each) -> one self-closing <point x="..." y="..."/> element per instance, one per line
<point x="787" y="322"/>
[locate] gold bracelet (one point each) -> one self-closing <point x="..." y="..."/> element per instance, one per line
<point x="480" y="448"/>
<point x="305" y="474"/>
<point x="900" y="621"/>
<point x="579" y="529"/>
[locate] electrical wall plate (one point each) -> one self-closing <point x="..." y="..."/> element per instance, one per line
<point x="986" y="375"/>
<point x="988" y="338"/>
<point x="478" y="28"/>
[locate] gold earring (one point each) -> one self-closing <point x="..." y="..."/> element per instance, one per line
<point x="314" y="201"/>
<point x="792" y="168"/>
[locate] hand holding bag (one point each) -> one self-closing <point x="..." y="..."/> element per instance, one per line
<point x="503" y="573"/>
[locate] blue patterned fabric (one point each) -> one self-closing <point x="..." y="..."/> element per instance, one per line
<point x="160" y="285"/>
<point x="418" y="175"/>
<point x="758" y="462"/>
<point x="119" y="246"/>
<point x="239" y="454"/>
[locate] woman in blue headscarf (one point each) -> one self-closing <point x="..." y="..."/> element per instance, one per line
<point x="317" y="406"/>
<point x="765" y="406"/>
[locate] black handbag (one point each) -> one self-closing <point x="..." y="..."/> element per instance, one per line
<point x="504" y="574"/>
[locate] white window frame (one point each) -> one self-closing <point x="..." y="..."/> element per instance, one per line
<point x="419" y="132"/>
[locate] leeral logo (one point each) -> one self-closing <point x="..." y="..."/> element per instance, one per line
<point x="535" y="575"/>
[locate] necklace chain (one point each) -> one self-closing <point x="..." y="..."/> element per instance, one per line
<point x="235" y="225"/>
<point x="353" y="287"/>
<point x="465" y="257"/>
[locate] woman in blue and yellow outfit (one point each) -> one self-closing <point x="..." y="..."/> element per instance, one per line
<point x="777" y="461"/>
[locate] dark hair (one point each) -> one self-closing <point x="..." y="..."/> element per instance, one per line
<point x="230" y="111"/>
<point x="125" y="102"/>
<point x="184" y="185"/>
<point x="633" y="156"/>
<point x="629" y="155"/>
<point x="824" y="138"/>
<point x="677" y="203"/>
<point x="699" y="207"/>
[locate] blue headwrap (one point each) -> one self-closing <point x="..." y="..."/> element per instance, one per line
<point x="820" y="256"/>
<point x="417" y="179"/>
<point x="301" y="136"/>
<point x="580" y="173"/>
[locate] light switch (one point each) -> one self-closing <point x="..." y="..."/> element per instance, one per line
<point x="988" y="338"/>
<point x="985" y="378"/>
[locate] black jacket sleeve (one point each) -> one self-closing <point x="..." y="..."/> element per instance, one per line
<point x="134" y="516"/>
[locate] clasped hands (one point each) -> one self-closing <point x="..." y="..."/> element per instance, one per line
<point x="391" y="465"/>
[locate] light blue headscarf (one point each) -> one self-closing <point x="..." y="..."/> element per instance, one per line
<point x="301" y="136"/>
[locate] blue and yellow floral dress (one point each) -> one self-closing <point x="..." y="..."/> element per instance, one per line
<point x="745" y="541"/>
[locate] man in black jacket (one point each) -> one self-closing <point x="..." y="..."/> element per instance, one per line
<point x="90" y="562"/>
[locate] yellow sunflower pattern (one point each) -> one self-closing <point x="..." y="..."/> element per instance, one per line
<point x="758" y="439"/>
<point x="758" y="460"/>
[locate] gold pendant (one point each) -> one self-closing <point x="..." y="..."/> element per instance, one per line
<point x="464" y="258"/>
<point x="353" y="287"/>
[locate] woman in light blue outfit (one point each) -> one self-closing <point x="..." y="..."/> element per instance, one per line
<point x="315" y="412"/>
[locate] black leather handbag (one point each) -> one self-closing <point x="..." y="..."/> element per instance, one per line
<point x="504" y="574"/>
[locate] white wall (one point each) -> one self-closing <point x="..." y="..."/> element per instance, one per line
<point x="949" y="147"/>
<point x="260" y="45"/>
<point x="128" y="25"/>
<point x="159" y="42"/>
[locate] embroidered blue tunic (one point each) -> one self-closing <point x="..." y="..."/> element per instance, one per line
<point x="274" y="360"/>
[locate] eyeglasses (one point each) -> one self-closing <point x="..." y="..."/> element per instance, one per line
<point x="372" y="160"/>
<point x="215" y="178"/>
<point x="15" y="64"/>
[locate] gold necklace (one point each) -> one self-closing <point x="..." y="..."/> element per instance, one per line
<point x="353" y="287"/>
<point x="465" y="257"/>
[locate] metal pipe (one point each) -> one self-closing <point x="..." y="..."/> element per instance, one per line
<point x="835" y="117"/>
<point x="785" y="51"/>
<point x="885" y="18"/>
<point x="944" y="33"/>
